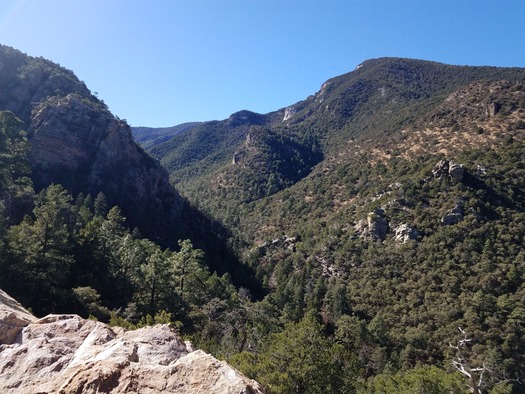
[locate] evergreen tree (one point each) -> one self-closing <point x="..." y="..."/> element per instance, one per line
<point x="100" y="206"/>
<point x="302" y="360"/>
<point x="42" y="246"/>
<point x="189" y="270"/>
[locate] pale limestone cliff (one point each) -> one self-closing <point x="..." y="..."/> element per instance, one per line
<point x="68" y="354"/>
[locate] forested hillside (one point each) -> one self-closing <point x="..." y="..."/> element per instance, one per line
<point x="237" y="160"/>
<point x="367" y="239"/>
<point x="74" y="141"/>
<point x="400" y="224"/>
<point x="151" y="136"/>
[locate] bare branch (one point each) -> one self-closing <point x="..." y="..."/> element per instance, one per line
<point x="478" y="376"/>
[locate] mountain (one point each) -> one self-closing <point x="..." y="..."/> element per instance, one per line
<point x="75" y="141"/>
<point x="369" y="238"/>
<point x="150" y="136"/>
<point x="390" y="202"/>
<point x="221" y="164"/>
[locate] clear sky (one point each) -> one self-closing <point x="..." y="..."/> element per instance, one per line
<point x="164" y="62"/>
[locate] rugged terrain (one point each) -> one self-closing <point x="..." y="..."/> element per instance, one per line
<point x="400" y="220"/>
<point x="379" y="215"/>
<point x="386" y="106"/>
<point x="68" y="354"/>
<point x="75" y="141"/>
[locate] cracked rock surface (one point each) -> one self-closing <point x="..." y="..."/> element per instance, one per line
<point x="69" y="354"/>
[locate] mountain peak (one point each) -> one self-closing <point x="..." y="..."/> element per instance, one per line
<point x="246" y="117"/>
<point x="75" y="141"/>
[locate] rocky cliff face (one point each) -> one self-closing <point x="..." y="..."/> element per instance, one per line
<point x="77" y="142"/>
<point x="68" y="354"/>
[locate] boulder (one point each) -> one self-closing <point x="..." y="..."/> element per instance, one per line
<point x="456" y="171"/>
<point x="450" y="168"/>
<point x="453" y="216"/>
<point x="69" y="354"/>
<point x="440" y="169"/>
<point x="404" y="233"/>
<point x="375" y="227"/>
<point x="13" y="318"/>
<point x="492" y="109"/>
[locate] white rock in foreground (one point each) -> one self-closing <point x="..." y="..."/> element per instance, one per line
<point x="13" y="318"/>
<point x="68" y="354"/>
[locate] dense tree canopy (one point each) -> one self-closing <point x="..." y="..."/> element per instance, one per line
<point x="369" y="249"/>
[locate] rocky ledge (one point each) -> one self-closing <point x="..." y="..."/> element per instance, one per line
<point x="68" y="354"/>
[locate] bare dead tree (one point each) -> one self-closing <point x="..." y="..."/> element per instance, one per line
<point x="477" y="375"/>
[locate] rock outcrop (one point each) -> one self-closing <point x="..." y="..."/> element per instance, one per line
<point x="456" y="171"/>
<point x="68" y="354"/>
<point x="375" y="227"/>
<point x="454" y="215"/>
<point x="76" y="142"/>
<point x="449" y="168"/>
<point x="288" y="113"/>
<point x="404" y="233"/>
<point x="13" y="318"/>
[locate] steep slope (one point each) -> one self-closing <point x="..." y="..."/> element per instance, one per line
<point x="210" y="143"/>
<point x="483" y="118"/>
<point x="409" y="236"/>
<point x="203" y="156"/>
<point x="389" y="207"/>
<point x="409" y="224"/>
<point x="26" y="80"/>
<point x="217" y="165"/>
<point x="77" y="142"/>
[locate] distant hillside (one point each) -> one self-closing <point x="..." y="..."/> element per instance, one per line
<point x="380" y="98"/>
<point x="390" y="203"/>
<point x="148" y="137"/>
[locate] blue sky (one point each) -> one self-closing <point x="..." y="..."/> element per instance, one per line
<point x="164" y="62"/>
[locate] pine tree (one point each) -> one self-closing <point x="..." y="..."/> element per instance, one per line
<point x="42" y="246"/>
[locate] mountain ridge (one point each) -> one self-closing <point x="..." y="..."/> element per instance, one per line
<point x="75" y="141"/>
<point x="378" y="215"/>
<point x="419" y="175"/>
<point x="371" y="66"/>
<point x="379" y="98"/>
<point x="150" y="136"/>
